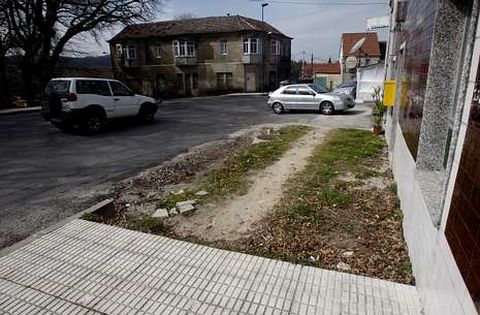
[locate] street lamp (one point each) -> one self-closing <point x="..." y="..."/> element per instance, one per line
<point x="263" y="6"/>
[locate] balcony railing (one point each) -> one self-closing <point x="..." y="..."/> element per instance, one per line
<point x="186" y="61"/>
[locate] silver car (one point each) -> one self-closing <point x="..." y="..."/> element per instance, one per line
<point x="308" y="97"/>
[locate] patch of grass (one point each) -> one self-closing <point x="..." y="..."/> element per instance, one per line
<point x="90" y="216"/>
<point x="364" y="173"/>
<point x="232" y="176"/>
<point x="343" y="151"/>
<point x="146" y="224"/>
<point x="406" y="266"/>
<point x="171" y="200"/>
<point x="302" y="210"/>
<point x="321" y="215"/>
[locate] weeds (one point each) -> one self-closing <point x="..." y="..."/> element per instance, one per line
<point x="232" y="176"/>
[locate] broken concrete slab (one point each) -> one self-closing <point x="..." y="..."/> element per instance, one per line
<point x="185" y="208"/>
<point x="258" y="140"/>
<point x="173" y="211"/>
<point x="160" y="213"/>
<point x="186" y="202"/>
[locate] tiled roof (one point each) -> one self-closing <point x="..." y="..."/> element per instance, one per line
<point x="370" y="47"/>
<point x="323" y="68"/>
<point x="206" y="25"/>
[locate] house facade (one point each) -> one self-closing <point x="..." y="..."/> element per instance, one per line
<point x="433" y="133"/>
<point x="326" y="74"/>
<point x="367" y="54"/>
<point x="201" y="56"/>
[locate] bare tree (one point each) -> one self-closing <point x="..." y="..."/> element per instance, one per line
<point x="42" y="28"/>
<point x="5" y="45"/>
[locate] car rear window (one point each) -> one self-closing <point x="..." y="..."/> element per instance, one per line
<point x="97" y="87"/>
<point x="58" y="87"/>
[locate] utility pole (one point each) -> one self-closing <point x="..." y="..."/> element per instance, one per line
<point x="311" y="69"/>
<point x="303" y="65"/>
<point x="263" y="6"/>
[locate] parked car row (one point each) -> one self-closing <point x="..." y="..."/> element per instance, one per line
<point x="87" y="103"/>
<point x="308" y="97"/>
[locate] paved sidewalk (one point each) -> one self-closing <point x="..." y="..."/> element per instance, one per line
<point x="91" y="268"/>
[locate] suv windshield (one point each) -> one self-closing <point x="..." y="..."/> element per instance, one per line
<point x="58" y="87"/>
<point x="317" y="88"/>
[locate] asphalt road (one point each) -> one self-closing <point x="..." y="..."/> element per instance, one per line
<point x="47" y="175"/>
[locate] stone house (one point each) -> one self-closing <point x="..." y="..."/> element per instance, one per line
<point x="433" y="134"/>
<point x="368" y="54"/>
<point x="201" y="56"/>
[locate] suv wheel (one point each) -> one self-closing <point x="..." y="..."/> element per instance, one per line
<point x="327" y="108"/>
<point x="93" y="123"/>
<point x="147" y="114"/>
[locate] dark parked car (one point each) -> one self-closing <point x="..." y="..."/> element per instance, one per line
<point x="348" y="88"/>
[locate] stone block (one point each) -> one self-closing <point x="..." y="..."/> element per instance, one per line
<point x="185" y="208"/>
<point x="186" y="202"/>
<point x="160" y="213"/>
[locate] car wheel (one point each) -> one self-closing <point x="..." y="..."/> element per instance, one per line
<point x="277" y="108"/>
<point x="147" y="114"/>
<point x="326" y="108"/>
<point x="93" y="123"/>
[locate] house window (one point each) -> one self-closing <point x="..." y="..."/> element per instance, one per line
<point x="131" y="52"/>
<point x="250" y="46"/>
<point x="195" y="81"/>
<point x="223" y="47"/>
<point x="224" y="80"/>
<point x="275" y="47"/>
<point x="183" y="48"/>
<point x="179" y="82"/>
<point x="190" y="49"/>
<point x="119" y="51"/>
<point x="157" y="52"/>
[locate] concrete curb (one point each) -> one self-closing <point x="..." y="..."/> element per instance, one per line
<point x="105" y="204"/>
<point x="247" y="94"/>
<point x="12" y="111"/>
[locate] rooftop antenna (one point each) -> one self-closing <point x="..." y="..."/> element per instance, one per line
<point x="358" y="45"/>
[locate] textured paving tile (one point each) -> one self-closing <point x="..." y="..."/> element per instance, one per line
<point x="90" y="268"/>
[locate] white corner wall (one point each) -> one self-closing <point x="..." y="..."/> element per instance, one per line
<point x="439" y="283"/>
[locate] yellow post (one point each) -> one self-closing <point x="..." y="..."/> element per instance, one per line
<point x="389" y="93"/>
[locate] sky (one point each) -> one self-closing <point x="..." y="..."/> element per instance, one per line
<point x="316" y="29"/>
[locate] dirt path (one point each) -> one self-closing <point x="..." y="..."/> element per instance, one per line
<point x="235" y="216"/>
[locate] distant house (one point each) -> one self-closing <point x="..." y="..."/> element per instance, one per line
<point x="201" y="56"/>
<point x="326" y="74"/>
<point x="367" y="54"/>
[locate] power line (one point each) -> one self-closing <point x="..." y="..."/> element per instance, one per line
<point x="325" y="3"/>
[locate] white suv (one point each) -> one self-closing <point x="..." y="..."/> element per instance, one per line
<point x="88" y="103"/>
